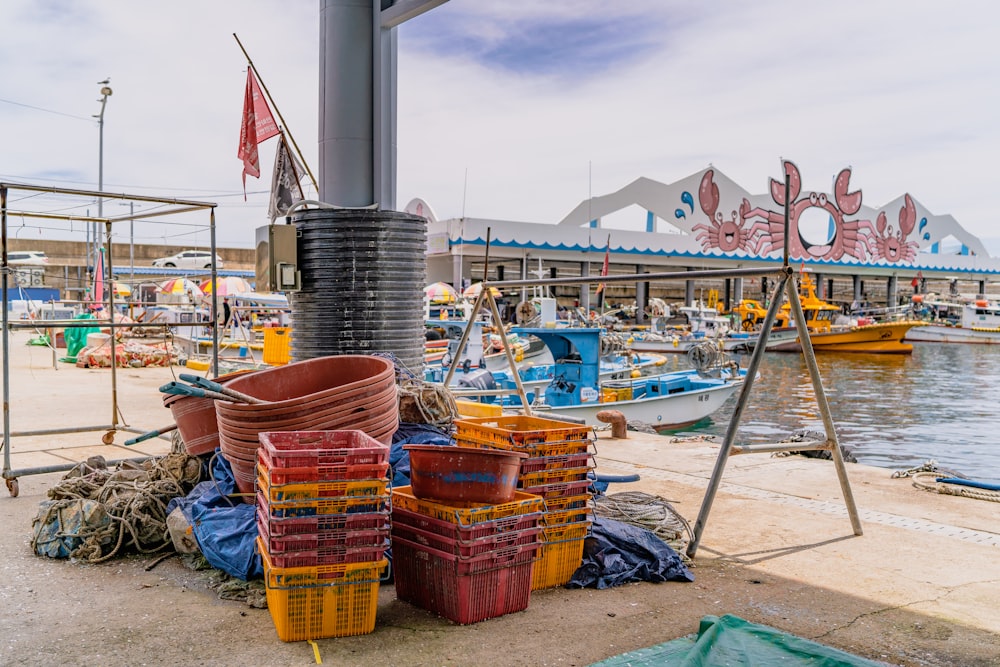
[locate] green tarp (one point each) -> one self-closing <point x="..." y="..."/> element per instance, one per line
<point x="730" y="640"/>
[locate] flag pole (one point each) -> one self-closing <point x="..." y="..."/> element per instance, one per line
<point x="305" y="163"/>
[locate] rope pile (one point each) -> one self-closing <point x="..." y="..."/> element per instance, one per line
<point x="645" y="510"/>
<point x="421" y="402"/>
<point x="112" y="510"/>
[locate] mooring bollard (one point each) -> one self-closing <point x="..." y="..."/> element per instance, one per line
<point x="617" y="420"/>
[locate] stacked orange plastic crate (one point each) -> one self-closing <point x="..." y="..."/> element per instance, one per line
<point x="323" y="528"/>
<point x="560" y="459"/>
<point x="465" y="561"/>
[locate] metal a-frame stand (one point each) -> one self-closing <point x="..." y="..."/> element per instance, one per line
<point x="786" y="283"/>
<point x="729" y="448"/>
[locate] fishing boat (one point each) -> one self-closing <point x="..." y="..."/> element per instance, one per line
<point x="665" y="401"/>
<point x="828" y="334"/>
<point x="483" y="350"/>
<point x="617" y="362"/>
<point x="951" y="321"/>
<point x="695" y="324"/>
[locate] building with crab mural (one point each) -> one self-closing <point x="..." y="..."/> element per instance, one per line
<point x="707" y="221"/>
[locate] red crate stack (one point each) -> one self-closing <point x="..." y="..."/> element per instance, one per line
<point x="560" y="460"/>
<point x="465" y="561"/>
<point x="323" y="528"/>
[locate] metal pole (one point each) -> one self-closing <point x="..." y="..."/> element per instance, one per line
<point x="111" y="315"/>
<point x="6" y="343"/>
<point x="131" y="245"/>
<point x="824" y="406"/>
<point x="215" y="297"/>
<point x="734" y="420"/>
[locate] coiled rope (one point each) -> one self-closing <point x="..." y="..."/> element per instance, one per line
<point x="645" y="510"/>
<point x="928" y="481"/>
<point x="134" y="497"/>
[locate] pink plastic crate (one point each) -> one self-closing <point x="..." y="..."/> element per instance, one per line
<point x="280" y="544"/>
<point x="430" y="579"/>
<point x="305" y="449"/>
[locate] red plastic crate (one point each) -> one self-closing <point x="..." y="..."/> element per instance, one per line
<point x="334" y="555"/>
<point x="561" y="518"/>
<point x="310" y="525"/>
<point x="312" y="508"/>
<point x="466" y="548"/>
<point x="280" y="544"/>
<point x="431" y="581"/>
<point x="462" y="532"/>
<point x="465" y="513"/>
<point x="306" y="449"/>
<point x="320" y="473"/>
<point x="566" y="461"/>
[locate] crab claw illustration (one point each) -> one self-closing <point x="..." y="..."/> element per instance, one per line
<point x="794" y="185"/>
<point x="708" y="193"/>
<point x="849" y="202"/>
<point x="907" y="216"/>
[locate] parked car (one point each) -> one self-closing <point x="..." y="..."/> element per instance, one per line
<point x="29" y="257"/>
<point x="189" y="259"/>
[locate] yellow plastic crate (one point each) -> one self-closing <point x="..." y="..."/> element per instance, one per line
<point x="564" y="448"/>
<point x="342" y="606"/>
<point x="277" y="345"/>
<point x="520" y="430"/>
<point x="466" y="513"/>
<point x="319" y="490"/>
<point x="561" y="555"/>
<point x="477" y="409"/>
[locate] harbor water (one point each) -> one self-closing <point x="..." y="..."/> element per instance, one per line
<point x="941" y="403"/>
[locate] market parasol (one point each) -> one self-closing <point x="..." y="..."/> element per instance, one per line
<point x="178" y="291"/>
<point x="228" y="285"/>
<point x="472" y="291"/>
<point x="441" y="293"/>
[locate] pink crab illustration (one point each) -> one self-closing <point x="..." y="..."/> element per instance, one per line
<point x="893" y="247"/>
<point x="846" y="239"/>
<point x="722" y="234"/>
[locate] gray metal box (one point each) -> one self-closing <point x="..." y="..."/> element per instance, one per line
<point x="277" y="258"/>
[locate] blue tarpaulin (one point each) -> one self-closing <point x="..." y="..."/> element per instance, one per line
<point x="225" y="529"/>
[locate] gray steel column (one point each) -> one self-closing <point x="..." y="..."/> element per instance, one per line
<point x="857" y="287"/>
<point x="585" y="288"/>
<point x="346" y="102"/>
<point x="688" y="291"/>
<point x="641" y="297"/>
<point x="890" y="292"/>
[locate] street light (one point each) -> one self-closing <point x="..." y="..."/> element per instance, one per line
<point x="105" y="94"/>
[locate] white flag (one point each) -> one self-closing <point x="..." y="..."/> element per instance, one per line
<point x="285" y="188"/>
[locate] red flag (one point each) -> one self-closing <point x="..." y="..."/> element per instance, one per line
<point x="604" y="269"/>
<point x="258" y="125"/>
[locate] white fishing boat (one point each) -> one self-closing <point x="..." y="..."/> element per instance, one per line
<point x="950" y="321"/>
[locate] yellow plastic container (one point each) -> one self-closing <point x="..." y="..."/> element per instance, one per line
<point x="277" y="345"/>
<point x="335" y="600"/>
<point x="561" y="555"/>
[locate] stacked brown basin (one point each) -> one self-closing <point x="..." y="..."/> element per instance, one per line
<point x="195" y="418"/>
<point x="323" y="394"/>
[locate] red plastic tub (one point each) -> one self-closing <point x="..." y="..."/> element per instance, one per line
<point x="446" y="474"/>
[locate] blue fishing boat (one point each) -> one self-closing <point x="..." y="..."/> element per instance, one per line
<point x="665" y="401"/>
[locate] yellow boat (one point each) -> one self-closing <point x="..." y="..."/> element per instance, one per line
<point x="869" y="337"/>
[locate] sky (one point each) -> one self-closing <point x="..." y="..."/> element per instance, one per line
<point x="510" y="110"/>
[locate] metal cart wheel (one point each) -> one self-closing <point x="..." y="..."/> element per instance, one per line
<point x="13" y="487"/>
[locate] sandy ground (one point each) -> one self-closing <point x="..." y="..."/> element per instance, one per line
<point x="918" y="588"/>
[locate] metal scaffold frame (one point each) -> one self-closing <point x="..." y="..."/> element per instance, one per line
<point x="167" y="207"/>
